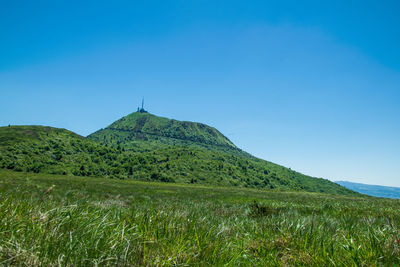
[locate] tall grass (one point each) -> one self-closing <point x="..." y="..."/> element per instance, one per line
<point x="58" y="220"/>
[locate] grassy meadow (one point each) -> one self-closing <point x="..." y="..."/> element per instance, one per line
<point x="63" y="220"/>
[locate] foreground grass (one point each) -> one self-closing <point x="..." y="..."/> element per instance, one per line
<point x="51" y="220"/>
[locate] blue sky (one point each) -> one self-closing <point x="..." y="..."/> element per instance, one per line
<point x="311" y="85"/>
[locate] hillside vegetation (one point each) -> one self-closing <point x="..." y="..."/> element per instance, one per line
<point x="50" y="150"/>
<point x="50" y="220"/>
<point x="145" y="132"/>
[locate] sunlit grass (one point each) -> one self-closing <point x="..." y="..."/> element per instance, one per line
<point x="51" y="220"/>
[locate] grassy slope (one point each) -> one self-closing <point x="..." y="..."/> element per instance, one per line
<point x="145" y="132"/>
<point x="185" y="142"/>
<point x="58" y="151"/>
<point x="50" y="220"/>
<point x="52" y="150"/>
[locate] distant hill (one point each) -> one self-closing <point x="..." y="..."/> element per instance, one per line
<point x="154" y="152"/>
<point x="53" y="150"/>
<point x="372" y="190"/>
<point x="145" y="132"/>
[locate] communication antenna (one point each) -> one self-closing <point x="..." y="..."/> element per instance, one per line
<point x="142" y="110"/>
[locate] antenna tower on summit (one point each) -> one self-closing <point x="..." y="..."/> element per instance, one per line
<point x="142" y="110"/>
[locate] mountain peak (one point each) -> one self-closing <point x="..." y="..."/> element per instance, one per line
<point x="144" y="130"/>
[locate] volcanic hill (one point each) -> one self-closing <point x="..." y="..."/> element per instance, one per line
<point x="146" y="147"/>
<point x="145" y="131"/>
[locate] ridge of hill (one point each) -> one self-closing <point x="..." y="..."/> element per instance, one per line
<point x="41" y="149"/>
<point x="50" y="150"/>
<point x="145" y="132"/>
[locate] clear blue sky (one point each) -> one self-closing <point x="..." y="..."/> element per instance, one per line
<point x="311" y="85"/>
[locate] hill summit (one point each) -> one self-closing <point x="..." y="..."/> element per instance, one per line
<point x="145" y="131"/>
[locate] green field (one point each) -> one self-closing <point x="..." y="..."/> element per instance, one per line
<point x="50" y="219"/>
